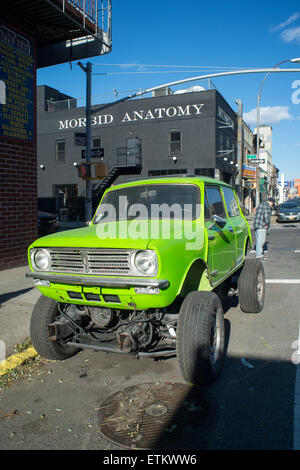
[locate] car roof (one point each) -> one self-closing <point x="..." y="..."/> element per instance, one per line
<point x="184" y="179"/>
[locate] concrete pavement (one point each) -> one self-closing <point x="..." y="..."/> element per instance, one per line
<point x="17" y="298"/>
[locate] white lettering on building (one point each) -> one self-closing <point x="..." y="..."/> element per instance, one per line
<point x="141" y="115"/>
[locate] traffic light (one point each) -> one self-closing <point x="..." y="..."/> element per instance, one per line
<point x="84" y="171"/>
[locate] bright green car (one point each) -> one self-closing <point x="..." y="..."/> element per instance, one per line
<point x="148" y="275"/>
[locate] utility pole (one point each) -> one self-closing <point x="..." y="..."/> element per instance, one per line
<point x="257" y="192"/>
<point x="240" y="139"/>
<point x="88" y="113"/>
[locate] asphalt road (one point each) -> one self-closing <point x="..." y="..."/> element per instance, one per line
<point x="253" y="401"/>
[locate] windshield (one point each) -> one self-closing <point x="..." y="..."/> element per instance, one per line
<point x="290" y="205"/>
<point x="150" y="202"/>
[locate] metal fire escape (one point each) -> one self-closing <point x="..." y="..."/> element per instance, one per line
<point x="128" y="162"/>
<point x="64" y="30"/>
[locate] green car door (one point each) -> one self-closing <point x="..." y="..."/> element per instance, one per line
<point x="221" y="235"/>
<point x="237" y="220"/>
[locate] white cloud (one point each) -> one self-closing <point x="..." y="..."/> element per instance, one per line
<point x="268" y="115"/>
<point x="290" y="20"/>
<point x="291" y="34"/>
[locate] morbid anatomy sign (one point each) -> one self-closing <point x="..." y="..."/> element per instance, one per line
<point x="134" y="116"/>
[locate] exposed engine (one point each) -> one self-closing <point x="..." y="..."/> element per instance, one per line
<point x="127" y="331"/>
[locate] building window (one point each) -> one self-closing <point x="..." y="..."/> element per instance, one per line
<point x="60" y="151"/>
<point x="167" y="172"/>
<point x="66" y="201"/>
<point x="96" y="142"/>
<point x="221" y="141"/>
<point x="175" y="143"/>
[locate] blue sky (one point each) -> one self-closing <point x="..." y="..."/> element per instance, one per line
<point x="192" y="33"/>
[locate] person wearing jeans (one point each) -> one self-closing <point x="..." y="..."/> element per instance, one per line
<point x="261" y="224"/>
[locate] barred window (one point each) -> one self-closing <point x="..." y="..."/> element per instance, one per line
<point x="175" y="142"/>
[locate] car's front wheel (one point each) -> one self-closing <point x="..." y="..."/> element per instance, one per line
<point x="200" y="337"/>
<point x="44" y="313"/>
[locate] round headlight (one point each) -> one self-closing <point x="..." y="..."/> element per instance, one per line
<point x="41" y="259"/>
<point x="146" y="262"/>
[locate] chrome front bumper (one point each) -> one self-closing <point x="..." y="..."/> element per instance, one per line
<point x="99" y="281"/>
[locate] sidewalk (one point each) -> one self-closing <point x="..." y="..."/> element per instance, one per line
<point x="17" y="298"/>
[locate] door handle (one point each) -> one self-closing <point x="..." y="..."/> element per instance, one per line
<point x="230" y="229"/>
<point x="211" y="237"/>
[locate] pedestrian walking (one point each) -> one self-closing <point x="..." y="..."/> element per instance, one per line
<point x="261" y="224"/>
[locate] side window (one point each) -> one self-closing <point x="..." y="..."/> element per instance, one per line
<point x="231" y="202"/>
<point x="215" y="201"/>
<point x="207" y="214"/>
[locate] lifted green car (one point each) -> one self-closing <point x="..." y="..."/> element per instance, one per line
<point x="147" y="276"/>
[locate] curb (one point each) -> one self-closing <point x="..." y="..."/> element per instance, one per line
<point x="16" y="360"/>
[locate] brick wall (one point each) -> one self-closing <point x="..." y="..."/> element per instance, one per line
<point x="18" y="201"/>
<point x="18" y="160"/>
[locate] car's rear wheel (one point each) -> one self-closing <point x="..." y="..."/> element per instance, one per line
<point x="44" y="313"/>
<point x="251" y="286"/>
<point x="200" y="337"/>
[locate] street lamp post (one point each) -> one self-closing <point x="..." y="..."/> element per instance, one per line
<point x="257" y="197"/>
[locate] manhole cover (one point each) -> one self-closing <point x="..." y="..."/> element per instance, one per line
<point x="158" y="415"/>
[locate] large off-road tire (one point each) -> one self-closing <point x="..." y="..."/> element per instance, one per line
<point x="44" y="313"/>
<point x="251" y="286"/>
<point x="200" y="338"/>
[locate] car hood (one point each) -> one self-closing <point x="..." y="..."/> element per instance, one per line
<point x="136" y="234"/>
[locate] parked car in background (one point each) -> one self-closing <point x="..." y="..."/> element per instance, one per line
<point x="47" y="223"/>
<point x="289" y="211"/>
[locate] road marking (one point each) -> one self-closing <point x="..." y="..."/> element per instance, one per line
<point x="297" y="251"/>
<point x="282" y="281"/>
<point x="297" y="402"/>
<point x="16" y="360"/>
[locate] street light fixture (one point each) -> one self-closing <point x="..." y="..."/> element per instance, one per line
<point x="296" y="60"/>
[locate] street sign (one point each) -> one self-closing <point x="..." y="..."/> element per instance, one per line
<point x="95" y="153"/>
<point x="251" y="156"/>
<point x="258" y="160"/>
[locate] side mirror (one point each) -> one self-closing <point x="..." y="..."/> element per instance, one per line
<point x="218" y="221"/>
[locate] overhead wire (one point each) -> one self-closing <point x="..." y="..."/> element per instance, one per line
<point x="206" y="67"/>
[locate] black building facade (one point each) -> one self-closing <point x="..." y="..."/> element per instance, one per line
<point x="187" y="133"/>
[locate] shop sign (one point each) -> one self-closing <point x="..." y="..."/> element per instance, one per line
<point x="133" y="116"/>
<point x="16" y="85"/>
<point x="249" y="172"/>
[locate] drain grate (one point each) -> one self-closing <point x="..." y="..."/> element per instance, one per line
<point x="158" y="415"/>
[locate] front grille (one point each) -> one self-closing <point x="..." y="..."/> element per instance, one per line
<point x="91" y="261"/>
